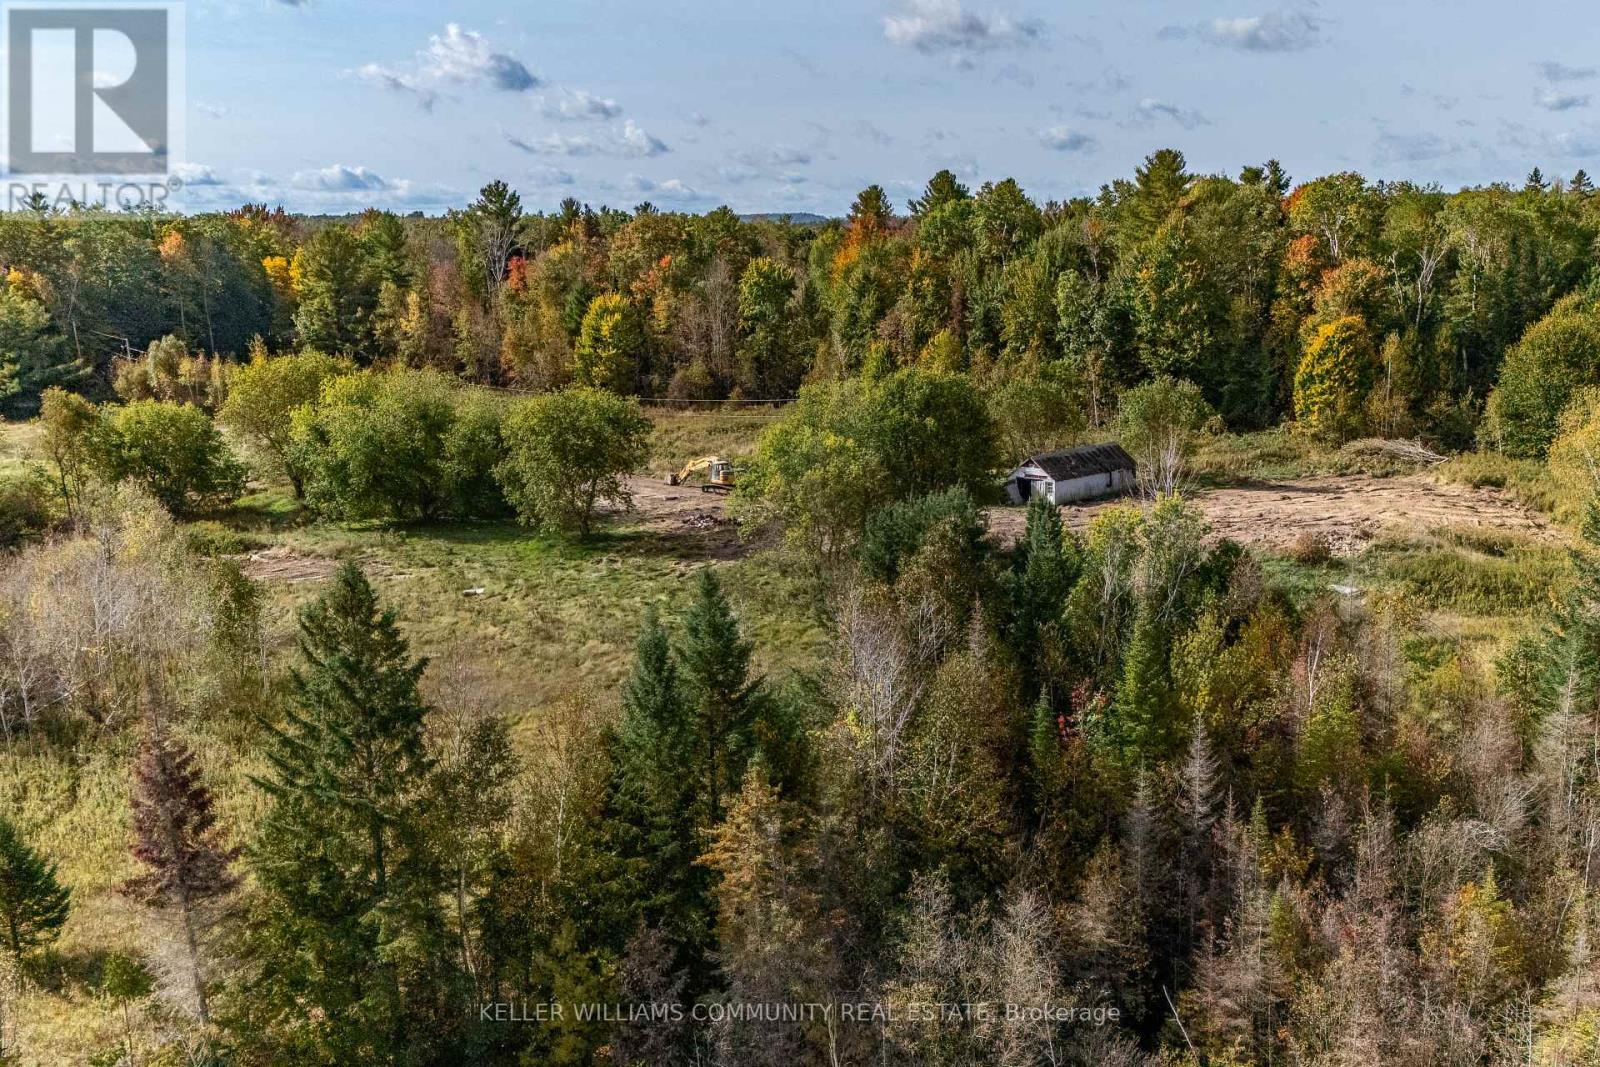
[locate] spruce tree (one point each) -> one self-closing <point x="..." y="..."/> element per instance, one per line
<point x="724" y="701"/>
<point x="350" y="925"/>
<point x="33" y="904"/>
<point x="656" y="798"/>
<point x="176" y="838"/>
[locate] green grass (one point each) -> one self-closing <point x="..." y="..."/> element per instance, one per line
<point x="1267" y="455"/>
<point x="1528" y="480"/>
<point x="684" y="435"/>
<point x="19" y="442"/>
<point x="1471" y="572"/>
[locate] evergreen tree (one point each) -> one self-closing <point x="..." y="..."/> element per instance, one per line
<point x="1581" y="186"/>
<point x="349" y="927"/>
<point x="176" y="838"/>
<point x="656" y="798"/>
<point x="943" y="188"/>
<point x="724" y="701"/>
<point x="1044" y="573"/>
<point x="33" y="904"/>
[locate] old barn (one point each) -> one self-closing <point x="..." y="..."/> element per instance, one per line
<point x="1072" y="474"/>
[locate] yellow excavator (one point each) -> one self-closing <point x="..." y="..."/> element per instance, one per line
<point x="718" y="474"/>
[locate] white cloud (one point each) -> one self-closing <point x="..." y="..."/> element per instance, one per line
<point x="579" y="106"/>
<point x="1276" y="31"/>
<point x="459" y="57"/>
<point x="1556" y="100"/>
<point x="936" y="27"/>
<point x="338" y="178"/>
<point x="1155" y="109"/>
<point x="196" y="174"/>
<point x="1065" y="139"/>
<point x="772" y="157"/>
<point x="1413" y="147"/>
<point x="1560" y="72"/>
<point x="673" y="190"/>
<point x="630" y="140"/>
<point x="464" y="56"/>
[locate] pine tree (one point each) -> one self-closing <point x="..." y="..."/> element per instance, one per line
<point x="33" y="904"/>
<point x="350" y="924"/>
<point x="1044" y="575"/>
<point x="725" y="701"/>
<point x="1581" y="186"/>
<point x="176" y="838"/>
<point x="656" y="798"/>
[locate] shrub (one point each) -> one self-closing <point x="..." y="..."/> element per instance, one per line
<point x="263" y="396"/>
<point x="895" y="533"/>
<point x="1539" y="376"/>
<point x="405" y="445"/>
<point x="1310" y="548"/>
<point x="848" y="448"/>
<point x="567" y="452"/>
<point x="25" y="507"/>
<point x="171" y="449"/>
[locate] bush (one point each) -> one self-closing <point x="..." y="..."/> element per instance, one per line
<point x="405" y="445"/>
<point x="1310" y="548"/>
<point x="1540" y="375"/>
<point x="263" y="396"/>
<point x="26" y="507"/>
<point x="848" y="448"/>
<point x="895" y="533"/>
<point x="171" y="449"/>
<point x="567" y="452"/>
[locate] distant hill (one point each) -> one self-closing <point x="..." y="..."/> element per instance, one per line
<point x="799" y="218"/>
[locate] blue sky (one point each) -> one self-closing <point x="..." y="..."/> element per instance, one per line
<point x="333" y="105"/>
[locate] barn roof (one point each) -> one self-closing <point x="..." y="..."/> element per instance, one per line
<point x="1082" y="462"/>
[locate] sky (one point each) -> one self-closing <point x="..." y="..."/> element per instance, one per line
<point x="331" y="105"/>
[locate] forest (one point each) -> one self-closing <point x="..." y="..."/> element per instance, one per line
<point x="367" y="695"/>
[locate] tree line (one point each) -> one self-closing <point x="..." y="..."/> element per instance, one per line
<point x="1352" y="306"/>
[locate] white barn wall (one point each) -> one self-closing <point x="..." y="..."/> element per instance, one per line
<point x="1090" y="486"/>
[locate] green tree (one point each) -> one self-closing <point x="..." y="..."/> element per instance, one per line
<point x="263" y="396"/>
<point x="769" y="363"/>
<point x="174" y="450"/>
<point x="724" y="700"/>
<point x="655" y="806"/>
<point x="33" y="904"/>
<point x="404" y="445"/>
<point x="33" y="356"/>
<point x="71" y="430"/>
<point x="338" y="294"/>
<point x="1540" y="375"/>
<point x="611" y="345"/>
<point x="347" y="928"/>
<point x="567" y="452"/>
<point x="943" y="188"/>
<point x="1157" y="423"/>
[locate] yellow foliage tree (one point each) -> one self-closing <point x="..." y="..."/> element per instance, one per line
<point x="1336" y="372"/>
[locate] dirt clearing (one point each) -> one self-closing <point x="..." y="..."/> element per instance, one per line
<point x="1350" y="510"/>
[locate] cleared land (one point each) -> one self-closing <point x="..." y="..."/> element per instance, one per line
<point x="1351" y="510"/>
